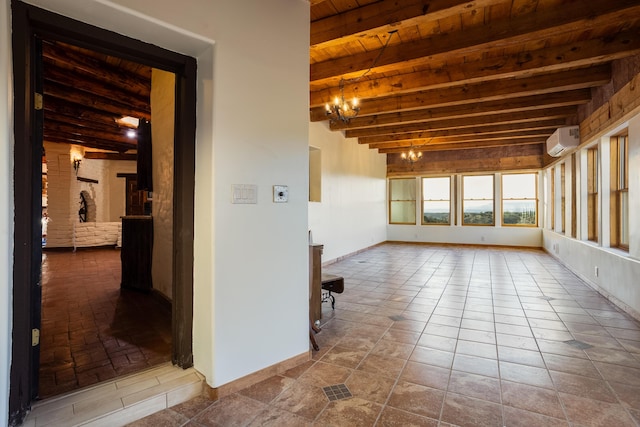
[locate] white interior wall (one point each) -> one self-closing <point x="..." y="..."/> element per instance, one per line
<point x="248" y="132"/>
<point x="6" y="201"/>
<point x="618" y="270"/>
<point x="352" y="213"/>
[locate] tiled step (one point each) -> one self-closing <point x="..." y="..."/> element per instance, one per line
<point x="120" y="401"/>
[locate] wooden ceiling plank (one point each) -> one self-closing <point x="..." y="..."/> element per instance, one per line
<point x="507" y="32"/>
<point x="573" y="55"/>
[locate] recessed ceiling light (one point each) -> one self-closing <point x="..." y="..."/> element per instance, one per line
<point x="128" y="121"/>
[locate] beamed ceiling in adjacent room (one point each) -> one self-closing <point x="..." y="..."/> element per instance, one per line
<point x="463" y="76"/>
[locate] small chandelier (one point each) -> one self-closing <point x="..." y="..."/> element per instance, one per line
<point x="411" y="156"/>
<point x="341" y="109"/>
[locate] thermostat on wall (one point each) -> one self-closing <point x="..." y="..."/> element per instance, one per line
<point x="280" y="193"/>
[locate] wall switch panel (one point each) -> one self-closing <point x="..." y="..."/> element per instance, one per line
<point x="280" y="194"/>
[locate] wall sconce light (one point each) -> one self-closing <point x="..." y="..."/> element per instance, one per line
<point x="76" y="164"/>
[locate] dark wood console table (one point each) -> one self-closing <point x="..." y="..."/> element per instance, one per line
<point x="137" y="251"/>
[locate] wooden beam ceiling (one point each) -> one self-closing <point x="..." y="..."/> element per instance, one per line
<point x="465" y="74"/>
<point x="85" y="92"/>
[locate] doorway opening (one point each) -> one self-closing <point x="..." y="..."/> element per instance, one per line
<point x="30" y="27"/>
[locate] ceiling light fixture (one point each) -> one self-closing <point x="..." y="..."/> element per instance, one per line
<point x="411" y="156"/>
<point x="341" y="110"/>
<point x="128" y="121"/>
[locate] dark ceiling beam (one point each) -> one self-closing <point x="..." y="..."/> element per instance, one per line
<point x="80" y="62"/>
<point x="88" y="100"/>
<point x="75" y="82"/>
<point x="508" y="32"/>
<point x="58" y="128"/>
<point x="101" y="155"/>
<point x="56" y="137"/>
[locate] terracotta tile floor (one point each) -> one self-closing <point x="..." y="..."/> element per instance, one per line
<point x="91" y="331"/>
<point x="444" y="335"/>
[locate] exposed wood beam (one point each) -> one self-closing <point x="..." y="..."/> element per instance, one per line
<point x="466" y="146"/>
<point x="478" y="131"/>
<point x="74" y="82"/>
<point x="508" y="32"/>
<point x="470" y="109"/>
<point x="579" y="54"/>
<point x="87" y="142"/>
<point x="499" y="118"/>
<point x="540" y="134"/>
<point x="88" y="100"/>
<point x="81" y="63"/>
<point x="101" y="155"/>
<point x="385" y="15"/>
<point x="88" y="132"/>
<point x="492" y="90"/>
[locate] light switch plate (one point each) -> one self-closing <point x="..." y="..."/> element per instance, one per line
<point x="280" y="193"/>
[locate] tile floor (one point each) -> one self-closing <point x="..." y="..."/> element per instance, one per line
<point x="91" y="330"/>
<point x="443" y="336"/>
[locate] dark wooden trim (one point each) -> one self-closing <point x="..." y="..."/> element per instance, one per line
<point x="81" y="179"/>
<point x="183" y="211"/>
<point x="27" y="245"/>
<point x="126" y="175"/>
<point x="99" y="155"/>
<point x="29" y="22"/>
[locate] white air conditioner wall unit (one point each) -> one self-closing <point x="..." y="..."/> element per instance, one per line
<point x="563" y="139"/>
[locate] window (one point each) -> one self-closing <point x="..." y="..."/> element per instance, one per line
<point x="552" y="198"/>
<point x="592" y="194"/>
<point x="562" y="197"/>
<point x="402" y="201"/>
<point x="519" y="199"/>
<point x="436" y="200"/>
<point x="574" y="216"/>
<point x="477" y="202"/>
<point x="619" y="206"/>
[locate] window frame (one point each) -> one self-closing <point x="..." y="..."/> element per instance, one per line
<point x="592" y="195"/>
<point x="423" y="200"/>
<point x="535" y="199"/>
<point x="391" y="200"/>
<point x="619" y="188"/>
<point x="493" y="201"/>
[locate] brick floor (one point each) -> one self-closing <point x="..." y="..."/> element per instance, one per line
<point x="93" y="331"/>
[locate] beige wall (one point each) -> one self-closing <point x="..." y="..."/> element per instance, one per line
<point x="162" y="124"/>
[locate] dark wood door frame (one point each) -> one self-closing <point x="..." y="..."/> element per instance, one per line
<point x="28" y="24"/>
